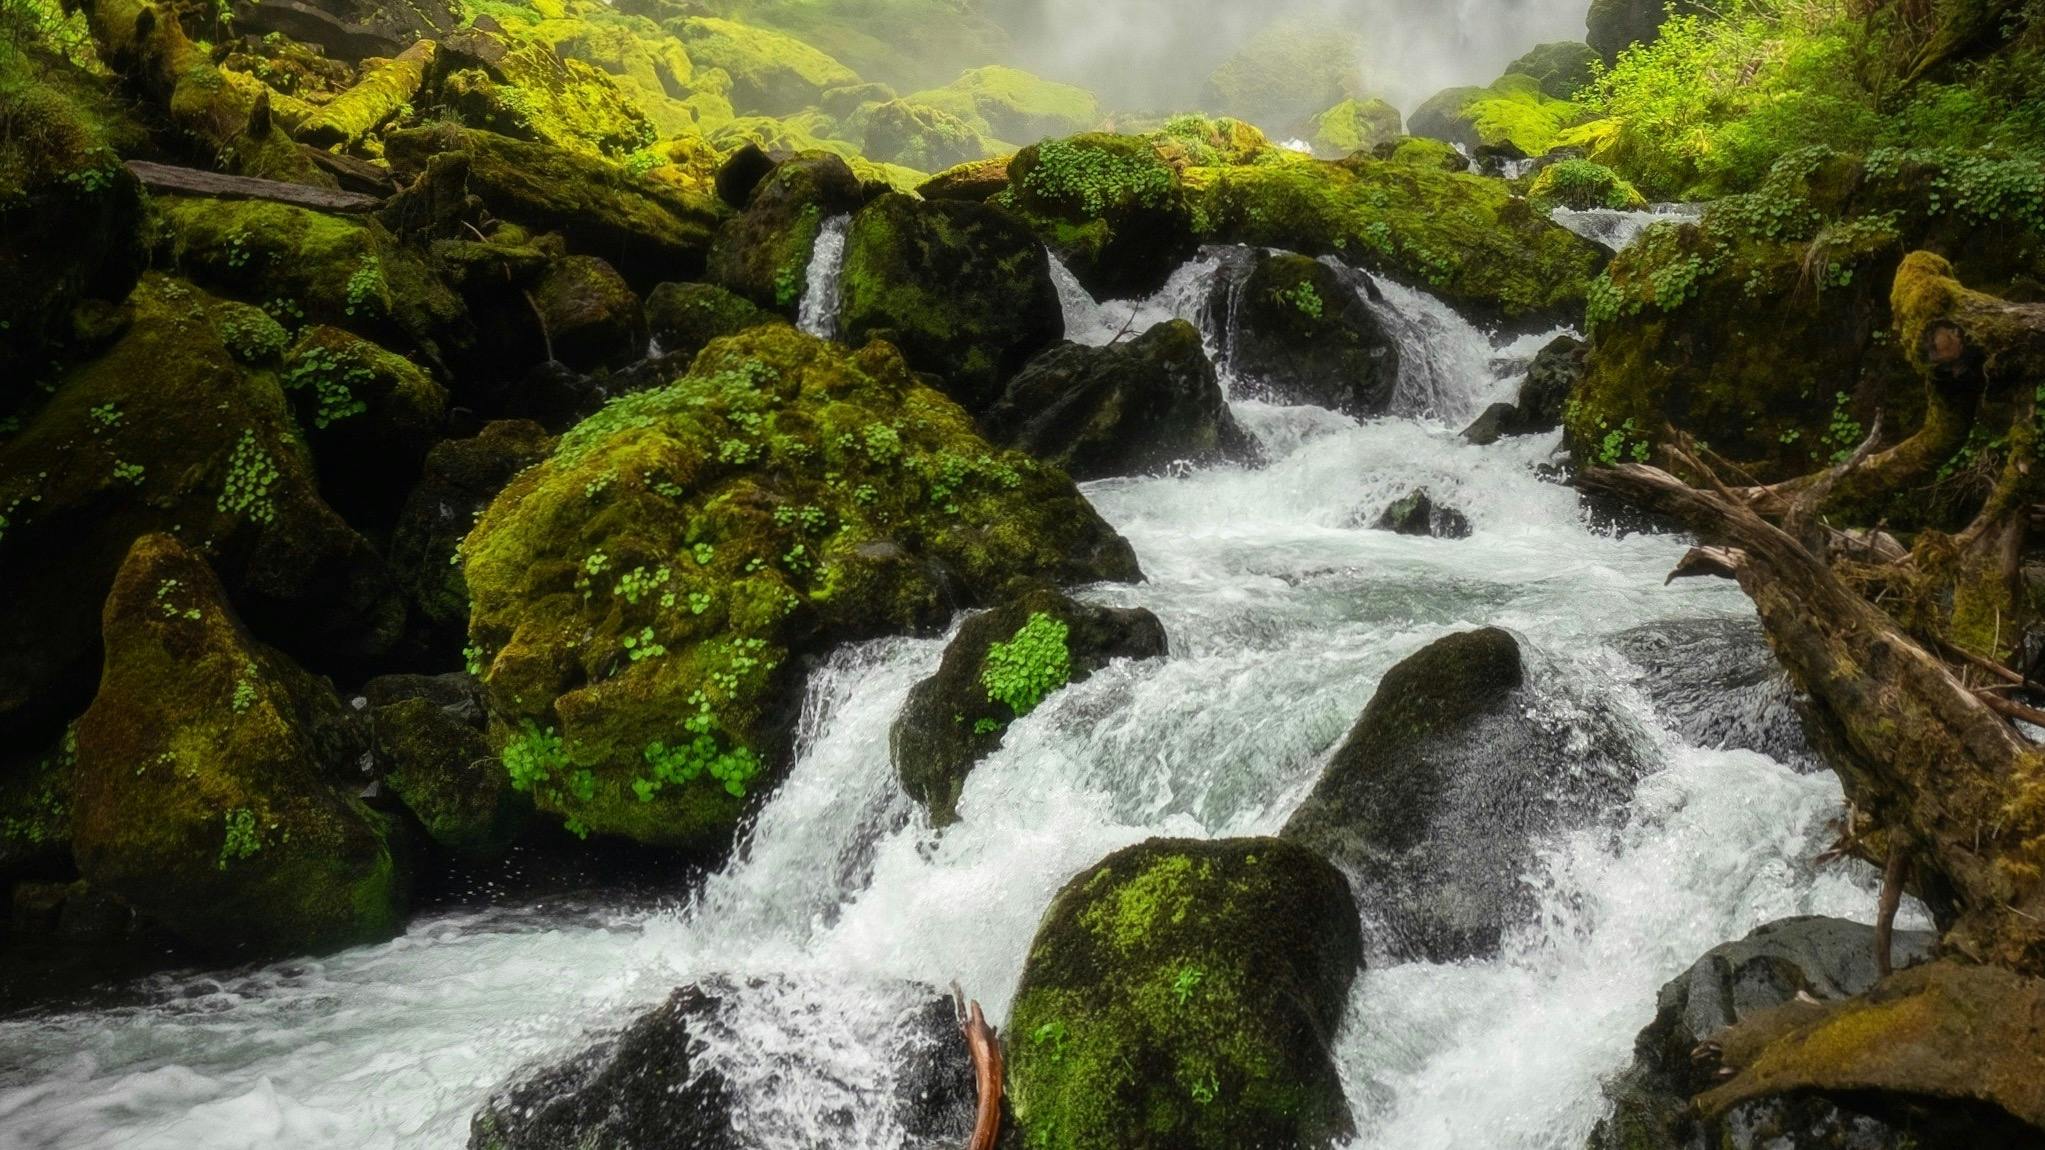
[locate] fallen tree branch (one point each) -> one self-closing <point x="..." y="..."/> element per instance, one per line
<point x="985" y="1048"/>
<point x="194" y="181"/>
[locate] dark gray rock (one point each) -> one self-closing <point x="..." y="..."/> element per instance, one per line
<point x="1494" y="424"/>
<point x="1715" y="682"/>
<point x="1823" y="958"/>
<point x="1435" y="800"/>
<point x="1134" y="408"/>
<point x="1300" y="331"/>
<point x="1416" y="513"/>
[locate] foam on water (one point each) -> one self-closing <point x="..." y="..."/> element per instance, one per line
<point x="1616" y="229"/>
<point x="1283" y="615"/>
<point x="818" y="312"/>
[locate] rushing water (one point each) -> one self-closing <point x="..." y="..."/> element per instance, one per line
<point x="1615" y="229"/>
<point x="1283" y="615"/>
<point x="818" y="313"/>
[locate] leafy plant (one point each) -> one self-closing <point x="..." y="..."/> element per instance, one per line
<point x="242" y="840"/>
<point x="1022" y="672"/>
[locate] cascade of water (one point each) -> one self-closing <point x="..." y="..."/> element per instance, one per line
<point x="1616" y="229"/>
<point x="1270" y="591"/>
<point x="818" y="314"/>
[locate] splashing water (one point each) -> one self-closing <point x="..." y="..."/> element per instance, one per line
<point x="1616" y="229"/>
<point x="818" y="314"/>
<point x="1283" y="616"/>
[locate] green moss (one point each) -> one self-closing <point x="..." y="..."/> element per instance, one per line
<point x="1582" y="184"/>
<point x="1110" y="206"/>
<point x="1011" y="104"/>
<point x="1562" y="68"/>
<point x="688" y="479"/>
<point x="923" y="137"/>
<point x="771" y="73"/>
<point x="1354" y="126"/>
<point x="1514" y="112"/>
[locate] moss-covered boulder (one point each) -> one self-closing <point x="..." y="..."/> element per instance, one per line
<point x="172" y="430"/>
<point x="998" y="668"/>
<point x="919" y="136"/>
<point x="591" y="315"/>
<point x="1353" y="126"/>
<point x="641" y="598"/>
<point x="1418" y="513"/>
<point x="1186" y="994"/>
<point x="1561" y="67"/>
<point x="460" y="478"/>
<point x="305" y="266"/>
<point x="1110" y="206"/>
<point x="1582" y="185"/>
<point x="772" y="74"/>
<point x="1514" y="114"/>
<point x="216" y="781"/>
<point x="963" y="289"/>
<point x="1293" y="67"/>
<point x="764" y="254"/>
<point x="1823" y="959"/>
<point x="1134" y="408"/>
<point x="977" y="180"/>
<point x="650" y="230"/>
<point x="442" y="768"/>
<point x="518" y="86"/>
<point x="1011" y="104"/>
<point x="370" y="417"/>
<point x="1467" y="239"/>
<point x="651" y="67"/>
<point x="684" y="318"/>
<point x="1434" y="801"/>
<point x="1300" y="331"/>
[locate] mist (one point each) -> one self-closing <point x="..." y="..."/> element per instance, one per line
<point x="1157" y="54"/>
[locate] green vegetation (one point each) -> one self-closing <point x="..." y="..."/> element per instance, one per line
<point x="1020" y="673"/>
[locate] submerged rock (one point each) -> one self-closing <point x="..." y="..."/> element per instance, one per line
<point x="642" y="598"/>
<point x="1134" y="408"/>
<point x="1416" y="513"/>
<point x="216" y="782"/>
<point x="656" y="1083"/>
<point x="997" y="669"/>
<point x="962" y="289"/>
<point x="1716" y="683"/>
<point x="1299" y="331"/>
<point x="1433" y="802"/>
<point x="1186" y="994"/>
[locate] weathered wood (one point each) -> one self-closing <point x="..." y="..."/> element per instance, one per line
<point x="987" y="1077"/>
<point x="193" y="181"/>
<point x="353" y="175"/>
<point x="385" y="87"/>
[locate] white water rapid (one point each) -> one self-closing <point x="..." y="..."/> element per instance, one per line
<point x="1283" y="614"/>
<point x="818" y="313"/>
<point x="1616" y="229"/>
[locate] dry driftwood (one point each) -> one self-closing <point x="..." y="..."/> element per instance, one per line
<point x="193" y="181"/>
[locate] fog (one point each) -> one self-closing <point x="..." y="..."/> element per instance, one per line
<point x="1157" y="54"/>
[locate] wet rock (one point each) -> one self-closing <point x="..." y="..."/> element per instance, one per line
<point x="764" y="254"/>
<point x="1416" y="513"/>
<point x="1677" y="1056"/>
<point x="1561" y="67"/>
<point x="591" y="317"/>
<point x="656" y="1084"/>
<point x="918" y="136"/>
<point x="684" y="318"/>
<point x="370" y="417"/>
<point x="439" y="764"/>
<point x="216" y="784"/>
<point x="1493" y="425"/>
<point x="962" y="289"/>
<point x="998" y="668"/>
<point x="461" y="476"/>
<point x="1353" y="126"/>
<point x="1716" y="683"/>
<point x="1433" y="802"/>
<point x="784" y="495"/>
<point x="1134" y="408"/>
<point x="35" y="810"/>
<point x="1110" y="206"/>
<point x="978" y="181"/>
<point x="1551" y="380"/>
<point x="1185" y="994"/>
<point x="1299" y="331"/>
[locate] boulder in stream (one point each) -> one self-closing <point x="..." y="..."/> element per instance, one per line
<point x="1417" y="513"/>
<point x="1433" y="802"/>
<point x="1186" y="994"/>
<point x="764" y="254"/>
<point x="998" y="668"/>
<point x="1299" y="331"/>
<point x="1134" y="408"/>
<point x="1715" y="682"/>
<point x="1110" y="206"/>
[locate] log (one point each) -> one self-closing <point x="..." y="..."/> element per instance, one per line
<point x="383" y="89"/>
<point x="193" y="181"/>
<point x="987" y="1077"/>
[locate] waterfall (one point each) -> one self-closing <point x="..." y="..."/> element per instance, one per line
<point x="1283" y="613"/>
<point x="1616" y="229"/>
<point x="818" y="314"/>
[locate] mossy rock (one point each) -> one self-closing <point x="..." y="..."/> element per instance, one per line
<point x="1616" y="25"/>
<point x="772" y="74"/>
<point x="461" y="477"/>
<point x="1417" y="513"/>
<point x="445" y="773"/>
<point x="1000" y="666"/>
<point x="684" y="318"/>
<point x="1514" y="115"/>
<point x="35" y="810"/>
<point x="517" y="86"/>
<point x="1301" y="332"/>
<point x="1110" y="206"/>
<point x="641" y="598"/>
<point x="1186" y="994"/>
<point x="170" y="430"/>
<point x="1137" y="408"/>
<point x="1293" y="67"/>
<point x="1011" y="104"/>
<point x="215" y="785"/>
<point x="1436" y="800"/>
<point x="1353" y="126"/>
<point x="764" y="254"/>
<point x="592" y="317"/>
<point x="651" y="68"/>
<point x="963" y="289"/>
<point x="1421" y="152"/>
<point x="920" y="136"/>
<point x="70" y="215"/>
<point x="651" y="231"/>
<point x="1561" y="67"/>
<point x="1467" y="239"/>
<point x="978" y="181"/>
<point x="369" y="416"/>
<point x="1582" y="185"/>
<point x="305" y="266"/>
